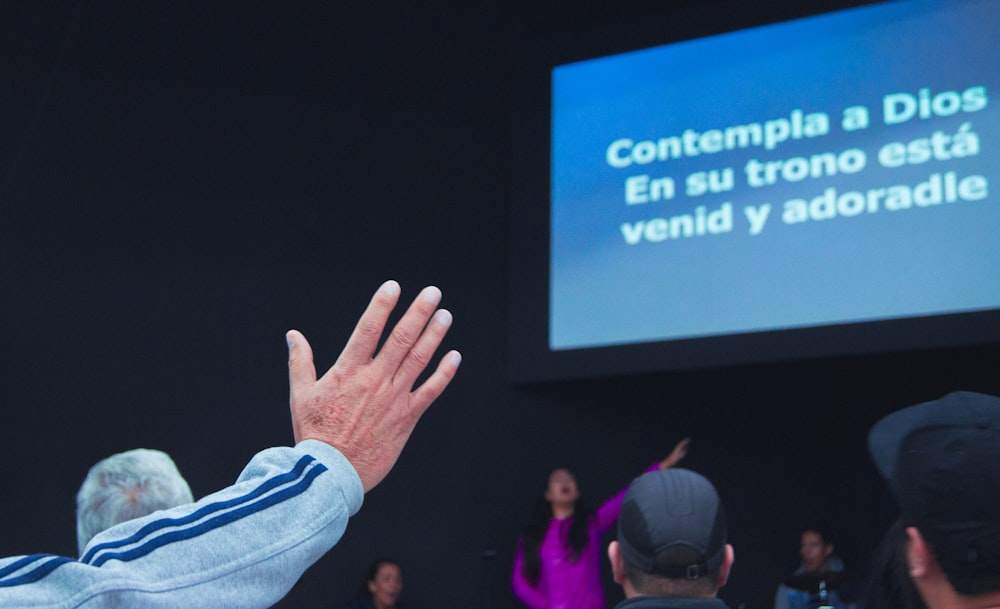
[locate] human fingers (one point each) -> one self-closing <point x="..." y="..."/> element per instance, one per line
<point x="409" y="331"/>
<point x="301" y="371"/>
<point x="368" y="331"/>
<point x="301" y="376"/>
<point x="420" y="355"/>
<point x="424" y="395"/>
<point x="681" y="447"/>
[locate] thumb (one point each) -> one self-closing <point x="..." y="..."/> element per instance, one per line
<point x="301" y="370"/>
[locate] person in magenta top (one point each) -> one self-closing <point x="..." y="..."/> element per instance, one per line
<point x="558" y="561"/>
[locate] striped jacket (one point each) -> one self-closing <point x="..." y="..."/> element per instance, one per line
<point x="244" y="546"/>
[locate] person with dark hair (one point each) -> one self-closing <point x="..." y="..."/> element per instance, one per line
<point x="671" y="550"/>
<point x="888" y="584"/>
<point x="941" y="460"/>
<point x="382" y="587"/>
<point x="246" y="545"/>
<point x="558" y="564"/>
<point x="819" y="576"/>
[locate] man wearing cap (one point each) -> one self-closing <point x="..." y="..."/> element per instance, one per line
<point x="942" y="462"/>
<point x="671" y="550"/>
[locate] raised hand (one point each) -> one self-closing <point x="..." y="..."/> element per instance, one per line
<point x="679" y="452"/>
<point x="366" y="405"/>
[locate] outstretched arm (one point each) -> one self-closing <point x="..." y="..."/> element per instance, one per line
<point x="247" y="544"/>
<point x="366" y="405"/>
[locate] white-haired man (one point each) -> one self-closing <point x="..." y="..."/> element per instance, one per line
<point x="126" y="486"/>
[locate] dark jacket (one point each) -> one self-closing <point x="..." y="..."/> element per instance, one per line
<point x="670" y="602"/>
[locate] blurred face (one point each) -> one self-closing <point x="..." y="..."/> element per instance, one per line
<point x="387" y="586"/>
<point x="562" y="489"/>
<point x="814" y="551"/>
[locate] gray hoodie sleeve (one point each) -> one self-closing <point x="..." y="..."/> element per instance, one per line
<point x="242" y="547"/>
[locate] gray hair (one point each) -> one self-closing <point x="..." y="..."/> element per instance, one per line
<point x="125" y="486"/>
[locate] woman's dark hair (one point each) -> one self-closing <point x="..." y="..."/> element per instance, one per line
<point x="889" y="585"/>
<point x="534" y="532"/>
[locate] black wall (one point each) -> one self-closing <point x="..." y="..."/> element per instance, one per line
<point x="181" y="183"/>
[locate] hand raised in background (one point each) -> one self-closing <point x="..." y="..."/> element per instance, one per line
<point x="679" y="452"/>
<point x="366" y="405"/>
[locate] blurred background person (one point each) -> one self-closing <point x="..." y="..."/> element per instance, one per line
<point x="125" y="486"/>
<point x="820" y="578"/>
<point x="382" y="587"/>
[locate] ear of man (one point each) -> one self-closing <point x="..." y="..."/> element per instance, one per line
<point x="919" y="557"/>
<point x="727" y="566"/>
<point x="617" y="562"/>
<point x="618" y="569"/>
<point x="927" y="575"/>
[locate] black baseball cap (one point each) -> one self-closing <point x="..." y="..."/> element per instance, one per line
<point x="672" y="524"/>
<point x="942" y="462"/>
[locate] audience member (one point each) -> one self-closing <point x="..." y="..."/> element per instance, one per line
<point x="126" y="486"/>
<point x="671" y="550"/>
<point x="246" y="545"/>
<point x="382" y="587"/>
<point x="820" y="574"/>
<point x="940" y="459"/>
<point x="558" y="560"/>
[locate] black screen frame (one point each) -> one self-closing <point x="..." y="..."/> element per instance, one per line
<point x="529" y="358"/>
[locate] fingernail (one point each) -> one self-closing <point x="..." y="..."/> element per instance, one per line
<point x="288" y="339"/>
<point x="455" y="358"/>
<point x="431" y="294"/>
<point x="443" y="317"/>
<point x="390" y="287"/>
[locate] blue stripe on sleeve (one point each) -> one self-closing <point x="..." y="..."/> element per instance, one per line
<point x="163" y="523"/>
<point x="238" y="508"/>
<point x="215" y="522"/>
<point x="38" y="572"/>
<point x="19" y="564"/>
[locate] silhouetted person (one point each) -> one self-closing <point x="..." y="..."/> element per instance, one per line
<point x="817" y="581"/>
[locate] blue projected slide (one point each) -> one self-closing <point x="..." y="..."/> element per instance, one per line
<point x="828" y="170"/>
